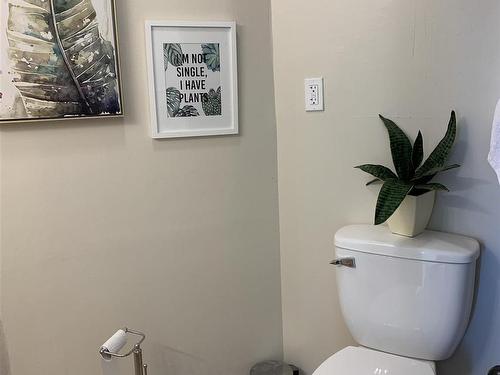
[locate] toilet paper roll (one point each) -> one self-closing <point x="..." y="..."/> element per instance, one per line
<point x="114" y="344"/>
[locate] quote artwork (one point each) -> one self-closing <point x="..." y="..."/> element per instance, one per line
<point x="193" y="79"/>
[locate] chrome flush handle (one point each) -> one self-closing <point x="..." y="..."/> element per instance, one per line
<point x="345" y="262"/>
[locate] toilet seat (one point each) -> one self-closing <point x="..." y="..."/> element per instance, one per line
<point x="363" y="361"/>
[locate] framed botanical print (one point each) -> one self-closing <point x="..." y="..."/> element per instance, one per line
<point x="192" y="78"/>
<point x="58" y="60"/>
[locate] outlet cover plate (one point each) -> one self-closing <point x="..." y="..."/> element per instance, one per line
<point x="313" y="88"/>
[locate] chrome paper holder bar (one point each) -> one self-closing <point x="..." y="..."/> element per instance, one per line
<point x="139" y="367"/>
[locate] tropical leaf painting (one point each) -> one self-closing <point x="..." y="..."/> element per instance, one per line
<point x="174" y="105"/>
<point x="211" y="103"/>
<point x="187" y="111"/>
<point x="173" y="101"/>
<point x="212" y="56"/>
<point x="60" y="63"/>
<point x="172" y="53"/>
<point x="193" y="79"/>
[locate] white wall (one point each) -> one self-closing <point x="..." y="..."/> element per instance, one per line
<point x="414" y="61"/>
<point x="103" y="227"/>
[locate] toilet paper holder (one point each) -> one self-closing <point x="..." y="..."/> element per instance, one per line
<point x="136" y="351"/>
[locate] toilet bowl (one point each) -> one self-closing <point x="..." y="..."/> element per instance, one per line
<point x="406" y="301"/>
<point x="362" y="361"/>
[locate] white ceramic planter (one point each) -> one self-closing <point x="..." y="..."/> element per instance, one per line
<point x="413" y="215"/>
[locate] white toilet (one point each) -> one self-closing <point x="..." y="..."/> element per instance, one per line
<point x="406" y="301"/>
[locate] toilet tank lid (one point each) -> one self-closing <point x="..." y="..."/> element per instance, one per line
<point x="429" y="246"/>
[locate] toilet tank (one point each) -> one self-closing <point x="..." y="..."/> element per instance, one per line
<point x="407" y="296"/>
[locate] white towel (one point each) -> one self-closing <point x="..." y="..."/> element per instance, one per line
<point x="494" y="156"/>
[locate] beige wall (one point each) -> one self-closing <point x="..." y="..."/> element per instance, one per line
<point x="103" y="227"/>
<point x="413" y="61"/>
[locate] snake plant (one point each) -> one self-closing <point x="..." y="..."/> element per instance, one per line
<point x="412" y="177"/>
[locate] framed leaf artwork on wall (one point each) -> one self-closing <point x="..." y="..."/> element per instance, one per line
<point x="192" y="78"/>
<point x="58" y="60"/>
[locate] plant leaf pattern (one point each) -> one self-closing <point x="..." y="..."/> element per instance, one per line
<point x="418" y="151"/>
<point x="173" y="101"/>
<point x="211" y="103"/>
<point x="434" y="186"/>
<point x="401" y="148"/>
<point x="187" y="111"/>
<point x="391" y="195"/>
<point x="379" y="171"/>
<point x="212" y="56"/>
<point x="374" y="181"/>
<point x="61" y="65"/>
<point x="172" y="53"/>
<point x="433" y="172"/>
<point x="440" y="154"/>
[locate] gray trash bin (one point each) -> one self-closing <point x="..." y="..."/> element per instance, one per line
<point x="274" y="368"/>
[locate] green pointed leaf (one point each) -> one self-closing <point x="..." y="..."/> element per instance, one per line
<point x="434" y="186"/>
<point x="379" y="171"/>
<point x="373" y="182"/>
<point x="418" y="151"/>
<point x="401" y="148"/>
<point x="423" y="180"/>
<point x="448" y="167"/>
<point x="440" y="154"/>
<point x="391" y="195"/>
<point x="435" y="171"/>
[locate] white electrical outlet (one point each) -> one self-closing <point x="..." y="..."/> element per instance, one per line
<point x="314" y="94"/>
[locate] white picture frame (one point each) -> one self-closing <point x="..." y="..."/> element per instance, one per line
<point x="192" y="96"/>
